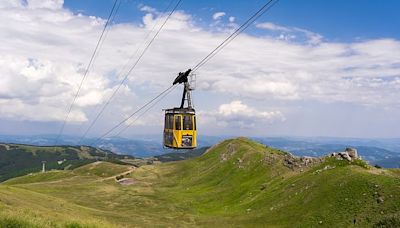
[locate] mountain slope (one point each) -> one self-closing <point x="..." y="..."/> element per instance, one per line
<point x="244" y="177"/>
<point x="181" y="155"/>
<point x="19" y="159"/>
<point x="235" y="183"/>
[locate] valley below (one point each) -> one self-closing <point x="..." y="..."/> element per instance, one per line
<point x="237" y="182"/>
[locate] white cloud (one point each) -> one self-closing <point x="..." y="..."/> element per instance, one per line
<point x="218" y="15"/>
<point x="178" y="21"/>
<point x="148" y="9"/>
<point x="237" y="114"/>
<point x="10" y="4"/>
<point x="221" y="26"/>
<point x="43" y="59"/>
<point x="20" y="110"/>
<point x="45" y="4"/>
<point x="273" y="27"/>
<point x="45" y="52"/>
<point x="291" y="33"/>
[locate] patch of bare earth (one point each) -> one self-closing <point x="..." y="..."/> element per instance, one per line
<point x="126" y="181"/>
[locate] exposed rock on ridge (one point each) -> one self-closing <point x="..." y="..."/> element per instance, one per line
<point x="350" y="154"/>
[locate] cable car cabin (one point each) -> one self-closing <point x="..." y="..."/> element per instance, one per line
<point x="180" y="123"/>
<point x="180" y="128"/>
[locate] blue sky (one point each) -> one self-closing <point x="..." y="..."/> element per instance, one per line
<point x="305" y="68"/>
<point x="339" y="20"/>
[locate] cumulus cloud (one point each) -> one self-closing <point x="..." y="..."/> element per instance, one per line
<point x="46" y="4"/>
<point x="273" y="27"/>
<point x="148" y="9"/>
<point x="291" y="33"/>
<point x="218" y="15"/>
<point x="10" y="4"/>
<point x="45" y="49"/>
<point x="20" y="110"/>
<point x="178" y="21"/>
<point x="43" y="60"/>
<point x="237" y="114"/>
<point x="219" y="25"/>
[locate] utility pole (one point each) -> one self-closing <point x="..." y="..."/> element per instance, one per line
<point x="43" y="166"/>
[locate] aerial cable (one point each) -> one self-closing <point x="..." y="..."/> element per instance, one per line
<point x="245" y="25"/>
<point x="130" y="116"/>
<point x="126" y="76"/>
<point x="131" y="69"/>
<point x="101" y="44"/>
<point x="232" y="36"/>
<point x="87" y="70"/>
<point x="145" y="39"/>
<point x="144" y="112"/>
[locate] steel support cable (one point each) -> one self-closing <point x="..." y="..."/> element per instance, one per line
<point x="118" y="75"/>
<point x="86" y="72"/>
<point x="245" y="25"/>
<point x="144" y="112"/>
<point x="123" y="81"/>
<point x="225" y="44"/>
<point x="145" y="39"/>
<point x="130" y="116"/>
<point x="130" y="70"/>
<point x="101" y="44"/>
<point x="232" y="36"/>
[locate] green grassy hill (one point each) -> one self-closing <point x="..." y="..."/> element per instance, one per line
<point x="238" y="182"/>
<point x="17" y="159"/>
<point x="181" y="155"/>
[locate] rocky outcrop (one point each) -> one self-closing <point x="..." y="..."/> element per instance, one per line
<point x="230" y="151"/>
<point x="352" y="153"/>
<point x="271" y="159"/>
<point x="299" y="163"/>
<point x="349" y="154"/>
<point x="295" y="163"/>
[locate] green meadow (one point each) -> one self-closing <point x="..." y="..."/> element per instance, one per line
<point x="236" y="183"/>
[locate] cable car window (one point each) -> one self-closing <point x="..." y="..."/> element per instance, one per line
<point x="170" y="122"/>
<point x="187" y="122"/>
<point x="194" y="123"/>
<point x="178" y="123"/>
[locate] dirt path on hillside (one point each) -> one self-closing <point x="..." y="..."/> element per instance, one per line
<point x="131" y="169"/>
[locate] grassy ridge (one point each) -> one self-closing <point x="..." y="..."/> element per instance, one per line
<point x="101" y="169"/>
<point x="236" y="183"/>
<point x="181" y="155"/>
<point x="17" y="160"/>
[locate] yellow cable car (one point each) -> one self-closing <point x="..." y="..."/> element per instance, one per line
<point x="180" y="123"/>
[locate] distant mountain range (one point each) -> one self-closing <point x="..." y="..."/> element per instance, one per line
<point x="383" y="152"/>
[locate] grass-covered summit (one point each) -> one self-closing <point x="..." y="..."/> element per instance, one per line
<point x="237" y="182"/>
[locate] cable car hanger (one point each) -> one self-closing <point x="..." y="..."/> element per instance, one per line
<point x="180" y="123"/>
<point x="187" y="95"/>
